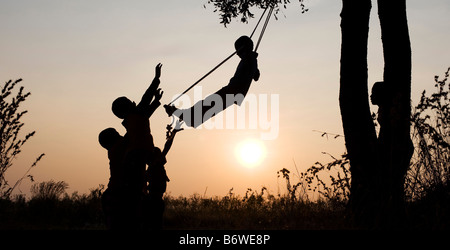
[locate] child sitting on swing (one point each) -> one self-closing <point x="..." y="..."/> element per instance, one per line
<point x="237" y="88"/>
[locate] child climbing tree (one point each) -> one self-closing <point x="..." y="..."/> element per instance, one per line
<point x="378" y="165"/>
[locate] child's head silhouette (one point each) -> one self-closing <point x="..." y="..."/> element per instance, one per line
<point x="108" y="137"/>
<point x="122" y="106"/>
<point x="243" y="46"/>
<point x="379" y="94"/>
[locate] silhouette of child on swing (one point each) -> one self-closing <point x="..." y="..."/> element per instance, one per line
<point x="237" y="88"/>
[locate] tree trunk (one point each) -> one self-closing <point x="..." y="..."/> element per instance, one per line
<point x="394" y="139"/>
<point x="359" y="129"/>
<point x="378" y="165"/>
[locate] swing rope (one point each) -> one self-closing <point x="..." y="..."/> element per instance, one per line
<point x="234" y="53"/>
<point x="257" y="24"/>
<point x="264" y="28"/>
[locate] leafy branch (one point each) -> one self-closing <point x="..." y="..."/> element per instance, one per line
<point x="230" y="9"/>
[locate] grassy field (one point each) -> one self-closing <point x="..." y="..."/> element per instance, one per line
<point x="254" y="211"/>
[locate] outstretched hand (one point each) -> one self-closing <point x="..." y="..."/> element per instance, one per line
<point x="178" y="126"/>
<point x="158" y="70"/>
<point x="171" y="131"/>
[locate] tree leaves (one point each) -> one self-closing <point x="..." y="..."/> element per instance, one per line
<point x="231" y="9"/>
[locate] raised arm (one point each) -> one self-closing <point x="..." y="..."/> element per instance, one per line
<point x="151" y="91"/>
<point x="155" y="103"/>
<point x="171" y="137"/>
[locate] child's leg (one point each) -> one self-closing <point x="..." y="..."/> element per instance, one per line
<point x="205" y="109"/>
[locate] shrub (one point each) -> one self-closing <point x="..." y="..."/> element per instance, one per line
<point x="430" y="166"/>
<point x="10" y="127"/>
<point x="48" y="190"/>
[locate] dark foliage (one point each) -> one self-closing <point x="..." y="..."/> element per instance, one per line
<point x="10" y="128"/>
<point x="231" y="9"/>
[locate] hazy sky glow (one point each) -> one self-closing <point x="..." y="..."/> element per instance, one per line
<point x="76" y="57"/>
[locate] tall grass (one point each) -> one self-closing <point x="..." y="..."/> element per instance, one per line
<point x="255" y="210"/>
<point x="430" y="168"/>
<point x="49" y="211"/>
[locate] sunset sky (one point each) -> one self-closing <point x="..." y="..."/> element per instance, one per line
<point x="76" y="57"/>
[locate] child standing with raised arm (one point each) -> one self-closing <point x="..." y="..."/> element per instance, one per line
<point x="137" y="124"/>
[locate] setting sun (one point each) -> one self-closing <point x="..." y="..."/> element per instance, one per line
<point x="250" y="153"/>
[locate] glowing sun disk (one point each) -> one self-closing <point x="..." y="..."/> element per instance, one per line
<point x="250" y="153"/>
